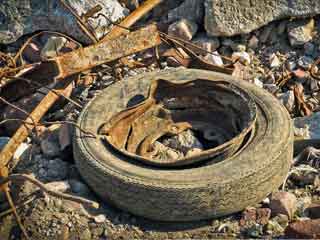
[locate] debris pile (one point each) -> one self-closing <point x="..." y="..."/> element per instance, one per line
<point x="57" y="55"/>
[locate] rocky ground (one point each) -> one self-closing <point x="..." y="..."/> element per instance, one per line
<point x="277" y="55"/>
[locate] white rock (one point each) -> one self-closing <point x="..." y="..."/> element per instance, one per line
<point x="184" y="29"/>
<point x="59" y="186"/>
<point x="274" y="61"/>
<point x="237" y="47"/>
<point x="258" y="82"/>
<point x="308" y="127"/>
<point x="163" y="152"/>
<point x="214" y="58"/>
<point x="253" y="42"/>
<point x="21" y="150"/>
<point x="100" y="218"/>
<point x="305" y="62"/>
<point x="243" y="57"/>
<point x="287" y="99"/>
<point x="291" y="65"/>
<point x="184" y="142"/>
<point x="266" y="201"/>
<point x="300" y="32"/>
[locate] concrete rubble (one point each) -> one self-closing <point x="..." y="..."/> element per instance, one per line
<point x="228" y="18"/>
<point x="19" y="18"/>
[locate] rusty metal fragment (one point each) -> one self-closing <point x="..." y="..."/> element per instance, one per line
<point x="106" y="51"/>
<point x="34" y="117"/>
<point x="302" y="107"/>
<point x="69" y="64"/>
<point x="60" y="67"/>
<point x="192" y="51"/>
<point x="222" y="113"/>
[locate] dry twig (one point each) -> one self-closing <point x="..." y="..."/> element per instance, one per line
<point x="14" y="210"/>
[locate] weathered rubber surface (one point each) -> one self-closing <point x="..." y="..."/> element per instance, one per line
<point x="187" y="194"/>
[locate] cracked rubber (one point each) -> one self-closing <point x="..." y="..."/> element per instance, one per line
<point x="196" y="193"/>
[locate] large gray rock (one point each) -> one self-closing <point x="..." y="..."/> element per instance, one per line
<point x="22" y="17"/>
<point x="189" y="9"/>
<point x="232" y="17"/>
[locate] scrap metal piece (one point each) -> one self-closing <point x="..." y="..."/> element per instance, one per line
<point x="223" y="113"/>
<point x="107" y="51"/>
<point x="60" y="67"/>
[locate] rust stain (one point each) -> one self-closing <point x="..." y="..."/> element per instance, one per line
<point x="202" y="105"/>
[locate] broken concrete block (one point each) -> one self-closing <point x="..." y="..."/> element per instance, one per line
<point x="283" y="203"/>
<point x="300" y="32"/>
<point x="52" y="47"/>
<point x="308" y="127"/>
<point x="287" y="99"/>
<point x="231" y="17"/>
<point x="190" y="9"/>
<point x="22" y="17"/>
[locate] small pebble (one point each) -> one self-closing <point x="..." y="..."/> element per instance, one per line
<point x="309" y="48"/>
<point x="243" y="57"/>
<point x="305" y="62"/>
<point x="100" y="218"/>
<point x="258" y="83"/>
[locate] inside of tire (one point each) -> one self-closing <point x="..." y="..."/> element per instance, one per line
<point x="220" y="114"/>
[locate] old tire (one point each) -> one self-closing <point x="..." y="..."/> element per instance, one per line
<point x="186" y="194"/>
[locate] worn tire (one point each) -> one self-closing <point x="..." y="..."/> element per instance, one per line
<point x="188" y="194"/>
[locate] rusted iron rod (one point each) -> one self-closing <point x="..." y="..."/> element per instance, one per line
<point x="135" y="16"/>
<point x="75" y="62"/>
<point x="83" y="59"/>
<point x="106" y="51"/>
<point x="23" y="131"/>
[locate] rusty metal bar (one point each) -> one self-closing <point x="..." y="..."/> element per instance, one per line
<point x="107" y="51"/>
<point x="23" y="132"/>
<point x="132" y="19"/>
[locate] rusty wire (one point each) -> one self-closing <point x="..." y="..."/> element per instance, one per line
<point x="47" y="123"/>
<point x="313" y="71"/>
<point x="49" y="89"/>
<point x="19" y="53"/>
<point x="23" y="111"/>
<point x="14" y="210"/>
<point x="17" y="205"/>
<point x="44" y="188"/>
